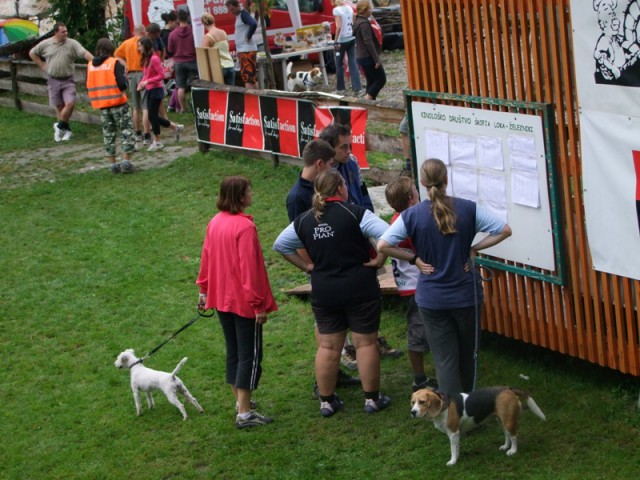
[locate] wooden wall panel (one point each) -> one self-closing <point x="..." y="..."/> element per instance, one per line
<point x="521" y="50"/>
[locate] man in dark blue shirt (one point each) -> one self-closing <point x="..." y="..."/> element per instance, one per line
<point x="317" y="157"/>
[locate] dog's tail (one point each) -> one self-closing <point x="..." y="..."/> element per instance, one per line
<point x="289" y="67"/>
<point x="533" y="406"/>
<point x="529" y="402"/>
<point x="178" y="367"/>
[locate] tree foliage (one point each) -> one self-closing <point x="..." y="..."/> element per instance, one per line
<point x="85" y="19"/>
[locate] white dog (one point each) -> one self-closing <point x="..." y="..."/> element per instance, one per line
<point x="146" y="380"/>
<point x="303" y="80"/>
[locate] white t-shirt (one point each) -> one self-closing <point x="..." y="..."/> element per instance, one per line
<point x="345" y="12"/>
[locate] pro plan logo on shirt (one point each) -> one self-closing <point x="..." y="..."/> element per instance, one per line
<point x="323" y="230"/>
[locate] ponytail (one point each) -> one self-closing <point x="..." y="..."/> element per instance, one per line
<point x="326" y="185"/>
<point x="433" y="175"/>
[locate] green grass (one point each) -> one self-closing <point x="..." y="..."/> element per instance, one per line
<point x="96" y="263"/>
<point x="22" y="131"/>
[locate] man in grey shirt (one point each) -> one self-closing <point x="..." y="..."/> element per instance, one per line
<point x="59" y="54"/>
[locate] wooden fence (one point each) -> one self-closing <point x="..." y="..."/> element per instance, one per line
<point x="521" y="50"/>
<point x="21" y="79"/>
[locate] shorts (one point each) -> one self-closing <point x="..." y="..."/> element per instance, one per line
<point x="61" y="91"/>
<point x="185" y="71"/>
<point x="248" y="66"/>
<point x="135" y="95"/>
<point x="363" y="318"/>
<point x="416" y="336"/>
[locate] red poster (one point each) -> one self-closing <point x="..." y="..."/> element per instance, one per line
<point x="288" y="127"/>
<point x="252" y="137"/>
<point x="217" y="115"/>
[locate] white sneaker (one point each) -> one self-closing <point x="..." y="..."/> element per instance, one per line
<point x="155" y="146"/>
<point x="57" y="133"/>
<point x="179" y="129"/>
<point x="66" y="135"/>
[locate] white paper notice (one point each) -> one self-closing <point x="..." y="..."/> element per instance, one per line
<point x="524" y="189"/>
<point x="523" y="153"/>
<point x="465" y="183"/>
<point x="489" y="152"/>
<point x="492" y="193"/>
<point x="437" y="145"/>
<point x="463" y="151"/>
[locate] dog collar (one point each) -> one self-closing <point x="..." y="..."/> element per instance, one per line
<point x="306" y="82"/>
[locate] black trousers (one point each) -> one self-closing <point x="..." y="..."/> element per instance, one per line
<point x="243" y="338"/>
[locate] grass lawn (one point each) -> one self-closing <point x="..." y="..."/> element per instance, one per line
<point x="96" y="263"/>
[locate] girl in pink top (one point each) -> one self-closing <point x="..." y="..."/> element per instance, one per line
<point x="153" y="83"/>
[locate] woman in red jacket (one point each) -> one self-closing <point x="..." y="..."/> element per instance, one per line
<point x="153" y="81"/>
<point x="233" y="280"/>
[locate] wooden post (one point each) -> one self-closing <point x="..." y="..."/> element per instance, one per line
<point x="14" y="85"/>
<point x="271" y="78"/>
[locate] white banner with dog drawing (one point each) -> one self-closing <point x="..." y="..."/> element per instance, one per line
<point x="607" y="64"/>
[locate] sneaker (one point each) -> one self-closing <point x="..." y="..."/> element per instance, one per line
<point x="327" y="409"/>
<point x="373" y="406"/>
<point x="340" y="92"/>
<point x="57" y="133"/>
<point x="348" y="358"/>
<point x="138" y="137"/>
<point x="115" y="168"/>
<point x="255" y="419"/>
<point x="386" y="350"/>
<point x="252" y="405"/>
<point x="428" y="383"/>
<point x="179" y="129"/>
<point x="346" y="380"/>
<point x="66" y="135"/>
<point x="155" y="146"/>
<point x="359" y="93"/>
<point x="127" y="167"/>
<point x="147" y="139"/>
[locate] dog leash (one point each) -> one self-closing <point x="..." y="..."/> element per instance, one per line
<point x="476" y="347"/>
<point x="201" y="313"/>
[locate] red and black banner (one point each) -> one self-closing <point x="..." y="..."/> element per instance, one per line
<point x="354" y="116"/>
<point x="272" y="124"/>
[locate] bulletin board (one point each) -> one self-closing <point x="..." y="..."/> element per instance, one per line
<point x="500" y="155"/>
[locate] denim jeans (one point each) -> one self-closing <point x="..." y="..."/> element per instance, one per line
<point x="348" y="49"/>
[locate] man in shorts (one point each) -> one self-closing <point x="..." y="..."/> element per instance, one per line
<point x="246" y="45"/>
<point x="59" y="54"/>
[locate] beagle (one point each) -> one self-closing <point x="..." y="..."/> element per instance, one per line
<point x="462" y="412"/>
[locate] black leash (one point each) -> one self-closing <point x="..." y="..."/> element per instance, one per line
<point x="201" y="313"/>
<point x="477" y="319"/>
